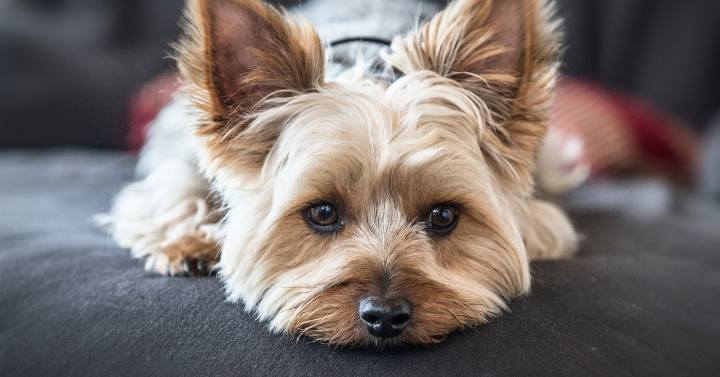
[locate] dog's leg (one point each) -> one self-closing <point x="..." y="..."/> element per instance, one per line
<point x="166" y="219"/>
<point x="547" y="232"/>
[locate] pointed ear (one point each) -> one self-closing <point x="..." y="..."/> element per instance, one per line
<point x="237" y="52"/>
<point x="505" y="52"/>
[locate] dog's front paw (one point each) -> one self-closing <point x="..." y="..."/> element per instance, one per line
<point x="548" y="232"/>
<point x="162" y="264"/>
<point x="198" y="267"/>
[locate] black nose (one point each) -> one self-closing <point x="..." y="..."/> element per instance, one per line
<point x="385" y="318"/>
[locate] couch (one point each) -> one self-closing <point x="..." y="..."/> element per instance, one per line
<point x="640" y="299"/>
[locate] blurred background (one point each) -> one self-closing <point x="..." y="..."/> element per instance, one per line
<point x="640" y="90"/>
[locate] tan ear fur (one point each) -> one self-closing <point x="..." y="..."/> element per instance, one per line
<point x="506" y="52"/>
<point x="236" y="55"/>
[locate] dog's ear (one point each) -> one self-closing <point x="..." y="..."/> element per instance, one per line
<point x="236" y="54"/>
<point x="506" y="52"/>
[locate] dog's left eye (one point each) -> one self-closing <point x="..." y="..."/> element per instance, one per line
<point x="323" y="217"/>
<point x="442" y="219"/>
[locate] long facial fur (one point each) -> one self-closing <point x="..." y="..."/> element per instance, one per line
<point x="462" y="126"/>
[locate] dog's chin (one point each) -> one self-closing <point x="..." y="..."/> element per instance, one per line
<point x="331" y="317"/>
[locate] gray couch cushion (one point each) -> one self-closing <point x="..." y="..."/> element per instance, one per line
<point x="640" y="299"/>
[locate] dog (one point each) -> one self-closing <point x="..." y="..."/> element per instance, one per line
<point x="364" y="195"/>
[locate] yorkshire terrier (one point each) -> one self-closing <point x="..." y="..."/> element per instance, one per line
<point x="356" y="194"/>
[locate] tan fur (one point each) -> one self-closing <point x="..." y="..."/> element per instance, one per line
<point x="278" y="57"/>
<point x="462" y="126"/>
<point x="507" y="53"/>
<point x="547" y="232"/>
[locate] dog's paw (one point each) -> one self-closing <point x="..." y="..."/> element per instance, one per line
<point x="179" y="267"/>
<point x="198" y="267"/>
<point x="548" y="232"/>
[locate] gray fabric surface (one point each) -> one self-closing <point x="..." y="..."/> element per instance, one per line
<point x="640" y="299"/>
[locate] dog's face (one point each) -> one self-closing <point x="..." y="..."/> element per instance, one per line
<point x="368" y="213"/>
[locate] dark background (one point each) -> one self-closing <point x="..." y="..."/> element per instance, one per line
<point x="69" y="67"/>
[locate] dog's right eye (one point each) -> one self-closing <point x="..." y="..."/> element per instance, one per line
<point x="323" y="218"/>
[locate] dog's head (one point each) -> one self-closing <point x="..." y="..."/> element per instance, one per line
<point x="369" y="213"/>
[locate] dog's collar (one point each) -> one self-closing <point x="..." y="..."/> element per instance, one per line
<point x="383" y="72"/>
<point x="375" y="40"/>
